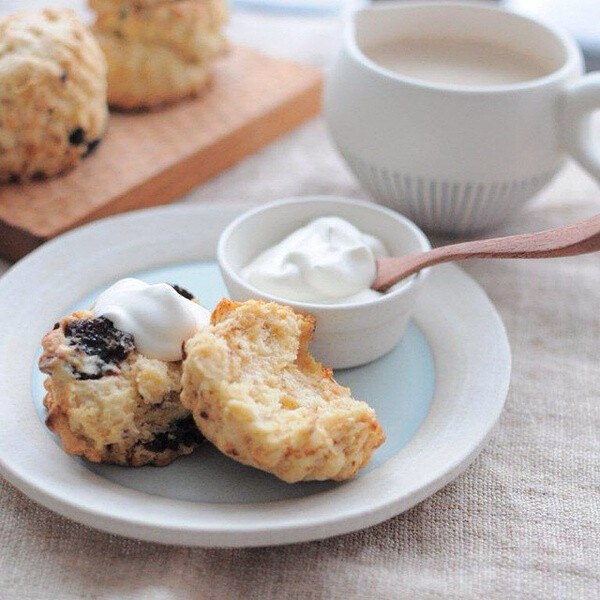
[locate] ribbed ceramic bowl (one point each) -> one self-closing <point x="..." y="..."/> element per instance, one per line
<point x="347" y="335"/>
<point x="457" y="158"/>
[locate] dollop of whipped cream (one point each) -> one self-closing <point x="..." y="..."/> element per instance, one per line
<point x="159" y="318"/>
<point x="329" y="261"/>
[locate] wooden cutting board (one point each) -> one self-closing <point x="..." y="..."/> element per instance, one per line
<point x="147" y="159"/>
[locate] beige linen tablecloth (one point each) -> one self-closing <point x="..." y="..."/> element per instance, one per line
<point x="522" y="522"/>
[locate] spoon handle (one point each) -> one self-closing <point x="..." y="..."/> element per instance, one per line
<point x="570" y="240"/>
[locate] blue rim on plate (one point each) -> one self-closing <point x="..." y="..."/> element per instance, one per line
<point x="400" y="407"/>
<point x="460" y="325"/>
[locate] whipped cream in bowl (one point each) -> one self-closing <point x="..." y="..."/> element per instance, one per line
<point x="159" y="318"/>
<point x="328" y="261"/>
<point x="317" y="254"/>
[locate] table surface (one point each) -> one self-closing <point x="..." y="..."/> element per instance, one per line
<point x="522" y="522"/>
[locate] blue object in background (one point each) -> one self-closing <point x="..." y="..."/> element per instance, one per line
<point x="308" y="7"/>
<point x="581" y="18"/>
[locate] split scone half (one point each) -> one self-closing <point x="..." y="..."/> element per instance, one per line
<point x="108" y="402"/>
<point x="259" y="396"/>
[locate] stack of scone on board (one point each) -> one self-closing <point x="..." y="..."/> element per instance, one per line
<point x="158" y="51"/>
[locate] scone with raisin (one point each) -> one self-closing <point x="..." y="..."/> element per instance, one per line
<point x="158" y="52"/>
<point x="53" y="105"/>
<point x="259" y="396"/>
<point x="107" y="401"/>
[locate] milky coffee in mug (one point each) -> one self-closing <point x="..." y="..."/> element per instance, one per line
<point x="456" y="113"/>
<point x="457" y="61"/>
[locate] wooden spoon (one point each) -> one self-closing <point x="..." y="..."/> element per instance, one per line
<point x="578" y="238"/>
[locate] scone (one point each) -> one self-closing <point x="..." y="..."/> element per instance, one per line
<point x="109" y="403"/>
<point x="111" y="4"/>
<point x="160" y="52"/>
<point x="53" y="98"/>
<point x="259" y="396"/>
<point x="193" y="28"/>
<point x="142" y="76"/>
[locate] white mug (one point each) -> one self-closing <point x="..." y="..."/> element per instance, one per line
<point x="457" y="158"/>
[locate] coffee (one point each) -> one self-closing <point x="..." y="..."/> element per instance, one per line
<point x="456" y="62"/>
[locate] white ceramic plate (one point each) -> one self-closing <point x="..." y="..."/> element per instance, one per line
<point x="437" y="395"/>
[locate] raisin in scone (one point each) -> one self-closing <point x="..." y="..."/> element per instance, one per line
<point x="259" y="396"/>
<point x="108" y="402"/>
<point x="161" y="52"/>
<point x="53" y="97"/>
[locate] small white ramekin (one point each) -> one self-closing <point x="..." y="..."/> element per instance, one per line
<point x="347" y="335"/>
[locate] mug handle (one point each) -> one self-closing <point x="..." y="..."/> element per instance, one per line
<point x="578" y="102"/>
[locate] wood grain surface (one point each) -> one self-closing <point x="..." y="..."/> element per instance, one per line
<point x="570" y="240"/>
<point x="147" y="159"/>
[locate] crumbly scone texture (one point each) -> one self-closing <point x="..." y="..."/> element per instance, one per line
<point x="178" y="23"/>
<point x="142" y="76"/>
<point x="119" y="4"/>
<point x="107" y="402"/>
<point x="259" y="396"/>
<point x="53" y="94"/>
<point x="160" y="53"/>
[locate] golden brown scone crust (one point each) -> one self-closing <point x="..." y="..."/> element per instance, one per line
<point x="53" y="108"/>
<point x="184" y="19"/>
<point x="118" y="4"/>
<point x="259" y="396"/>
<point x="160" y="53"/>
<point x="141" y="76"/>
<point x="126" y="412"/>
